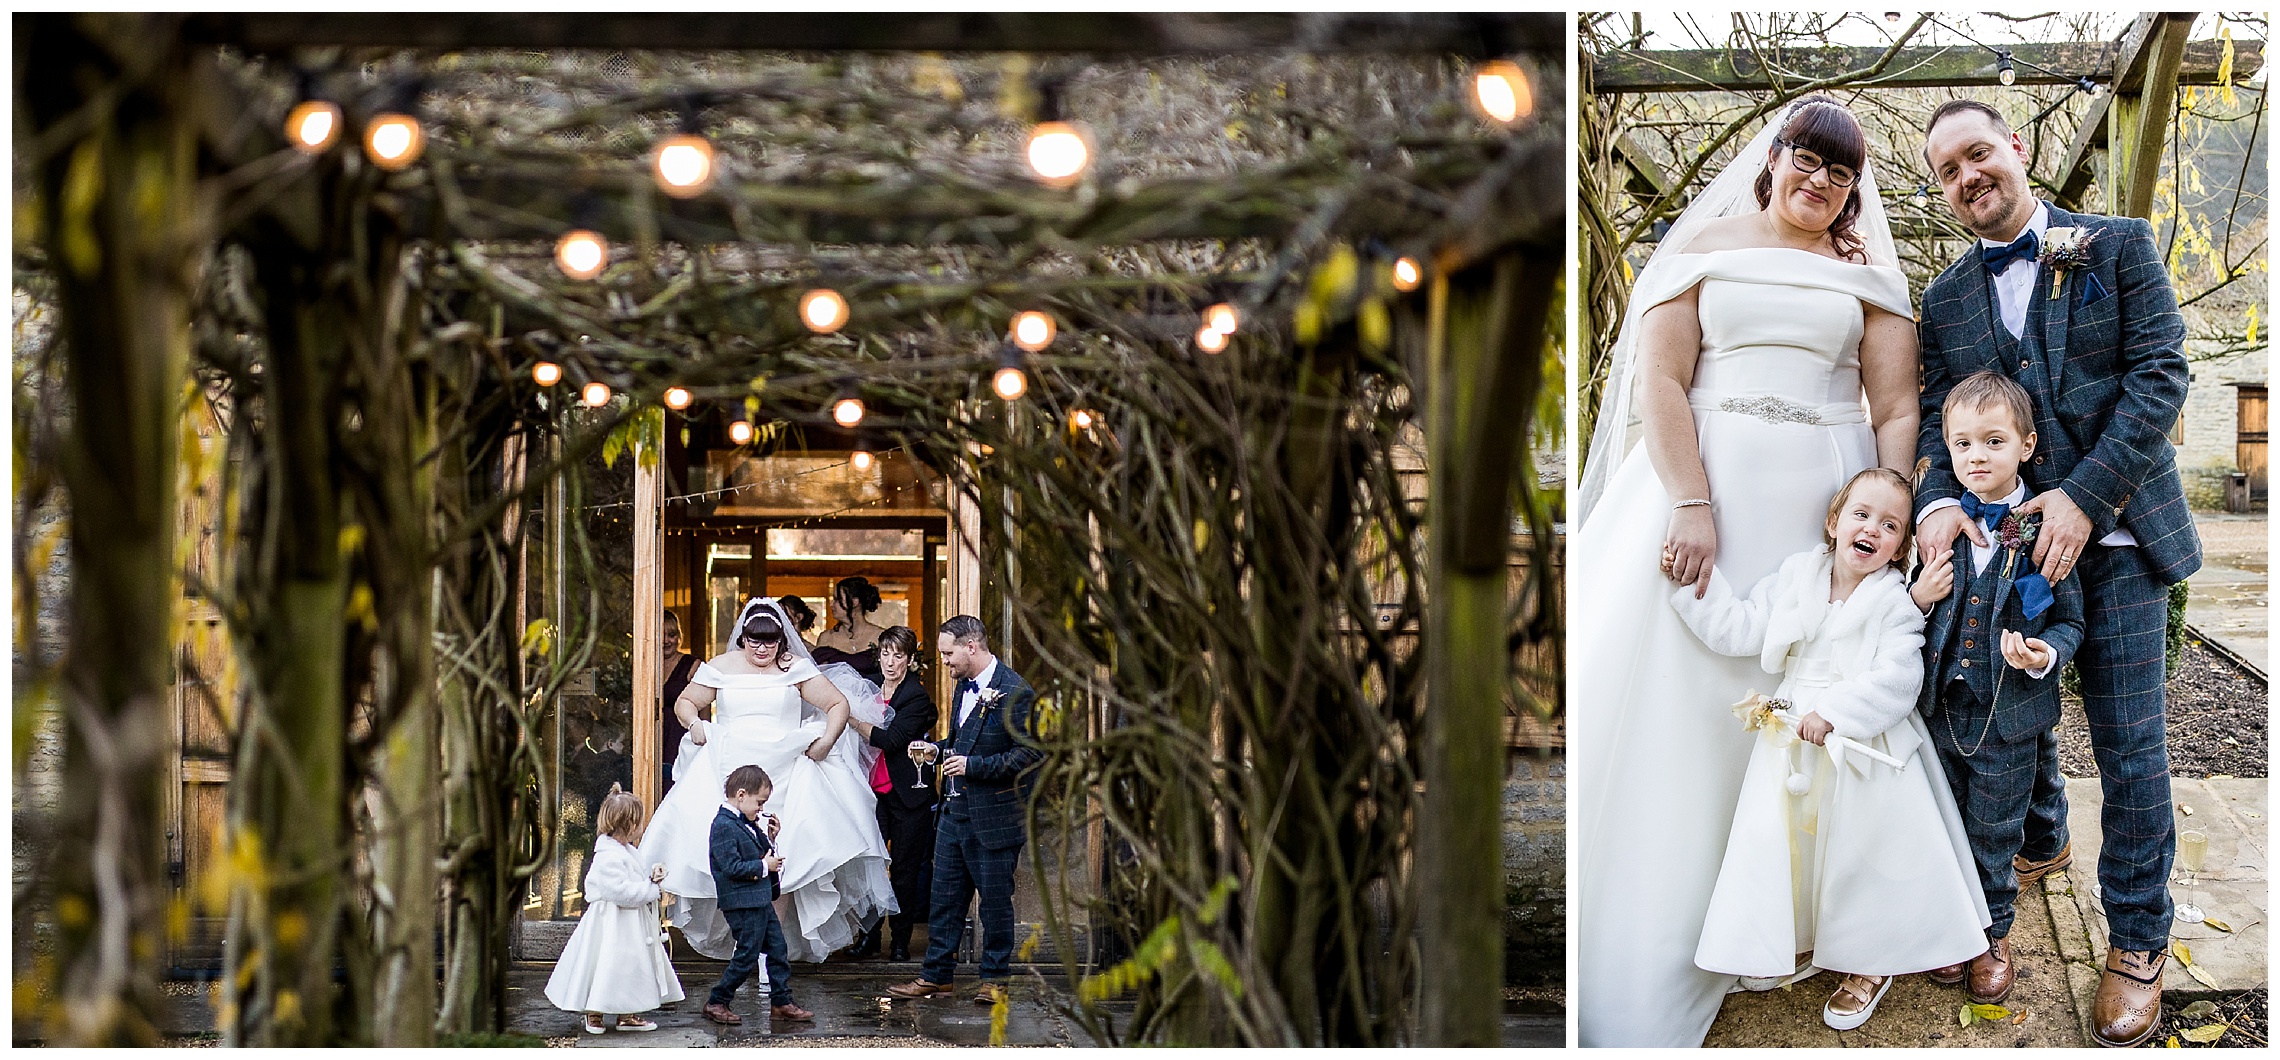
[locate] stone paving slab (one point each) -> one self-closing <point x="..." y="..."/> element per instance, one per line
<point x="2233" y="884"/>
<point x="1916" y="1012"/>
<point x="2229" y="597"/>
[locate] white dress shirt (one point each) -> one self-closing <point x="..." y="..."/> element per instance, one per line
<point x="2014" y="295"/>
<point x="2015" y="285"/>
<point x="973" y="696"/>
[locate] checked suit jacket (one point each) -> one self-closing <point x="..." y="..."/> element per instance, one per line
<point x="999" y="742"/>
<point x="2022" y="705"/>
<point x="2107" y="375"/>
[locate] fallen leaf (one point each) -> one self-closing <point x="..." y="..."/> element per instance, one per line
<point x="2174" y="1043"/>
<point x="2180" y="951"/>
<point x="2018" y="1019"/>
<point x="2199" y="1010"/>
<point x="1991" y="1013"/>
<point x="2207" y="1034"/>
<point x="2204" y="978"/>
<point x="2219" y="776"/>
<point x="1966" y="1017"/>
<point x="2188" y="810"/>
<point x="2217" y="924"/>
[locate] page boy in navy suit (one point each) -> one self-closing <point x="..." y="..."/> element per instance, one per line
<point x="1999" y="632"/>
<point x="744" y="870"/>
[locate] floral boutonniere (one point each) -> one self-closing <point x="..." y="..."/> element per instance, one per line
<point x="988" y="698"/>
<point x="2015" y="533"/>
<point x="2063" y="249"/>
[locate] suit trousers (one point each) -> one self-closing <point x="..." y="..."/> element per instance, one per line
<point x="2123" y="663"/>
<point x="1993" y="783"/>
<point x="757" y="933"/>
<point x="963" y="868"/>
<point x="909" y="832"/>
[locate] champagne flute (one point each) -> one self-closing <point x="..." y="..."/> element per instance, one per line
<point x="923" y="754"/>
<point x="2192" y="851"/>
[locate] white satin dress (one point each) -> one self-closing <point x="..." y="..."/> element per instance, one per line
<point x="1657" y="756"/>
<point x="834" y="880"/>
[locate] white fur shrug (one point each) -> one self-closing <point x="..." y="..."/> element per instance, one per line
<point x="1876" y="638"/>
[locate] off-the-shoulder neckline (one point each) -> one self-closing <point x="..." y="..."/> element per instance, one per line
<point x="1788" y="250"/>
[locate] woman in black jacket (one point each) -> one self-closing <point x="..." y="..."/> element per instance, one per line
<point x="906" y="813"/>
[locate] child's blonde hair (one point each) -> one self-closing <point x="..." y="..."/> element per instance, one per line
<point x="1890" y="477"/>
<point x="620" y="817"/>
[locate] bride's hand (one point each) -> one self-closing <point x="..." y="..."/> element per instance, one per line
<point x="819" y="750"/>
<point x="697" y="732"/>
<point x="1690" y="547"/>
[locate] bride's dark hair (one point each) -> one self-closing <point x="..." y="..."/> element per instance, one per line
<point x="762" y="628"/>
<point x="1820" y="125"/>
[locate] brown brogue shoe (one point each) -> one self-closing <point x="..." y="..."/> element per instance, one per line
<point x="919" y="988"/>
<point x="1992" y="973"/>
<point x="2030" y="871"/>
<point x="722" y="1014"/>
<point x="1948" y="976"/>
<point x="790" y="1012"/>
<point x="2127" y="1008"/>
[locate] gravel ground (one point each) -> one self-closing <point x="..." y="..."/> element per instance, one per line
<point x="2245" y="1014"/>
<point x="2218" y="714"/>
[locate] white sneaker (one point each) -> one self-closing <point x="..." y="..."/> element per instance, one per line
<point x="1849" y="1020"/>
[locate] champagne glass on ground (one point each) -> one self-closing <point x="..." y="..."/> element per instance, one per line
<point x="2192" y="851"/>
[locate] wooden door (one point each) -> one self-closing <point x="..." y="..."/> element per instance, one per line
<point x="2251" y="437"/>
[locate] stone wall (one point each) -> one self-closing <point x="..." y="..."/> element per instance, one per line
<point x="1535" y="865"/>
<point x="2211" y="418"/>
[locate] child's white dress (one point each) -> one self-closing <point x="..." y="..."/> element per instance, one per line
<point x="1869" y="869"/>
<point x="614" y="962"/>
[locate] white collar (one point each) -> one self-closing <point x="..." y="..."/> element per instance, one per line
<point x="2016" y="497"/>
<point x="2038" y="222"/>
<point x="982" y="680"/>
<point x="731" y="808"/>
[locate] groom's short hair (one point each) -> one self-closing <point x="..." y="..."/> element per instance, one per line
<point x="966" y="629"/>
<point x="1981" y="390"/>
<point x="1955" y="106"/>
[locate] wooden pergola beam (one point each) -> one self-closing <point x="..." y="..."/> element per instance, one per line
<point x="1945" y="66"/>
<point x="1475" y="35"/>
<point x="2075" y="173"/>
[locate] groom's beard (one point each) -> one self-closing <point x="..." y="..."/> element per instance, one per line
<point x="1990" y="217"/>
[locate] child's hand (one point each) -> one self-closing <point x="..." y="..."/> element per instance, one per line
<point x="2025" y="653"/>
<point x="773" y="825"/>
<point x="657" y="874"/>
<point x="775" y="862"/>
<point x="1936" y="581"/>
<point x="1814" y="728"/>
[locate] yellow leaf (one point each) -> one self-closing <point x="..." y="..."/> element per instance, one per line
<point x="2199" y="1010"/>
<point x="82" y="188"/>
<point x="1234" y="131"/>
<point x="1376" y="326"/>
<point x="2180" y="951"/>
<point x="1990" y="1013"/>
<point x="1965" y="1017"/>
<point x="538" y="637"/>
<point x="751" y="409"/>
<point x="2252" y="325"/>
<point x="1334" y="280"/>
<point x="360" y="608"/>
<point x="2204" y="978"/>
<point x="2206" y="1034"/>
<point x="1202" y="535"/>
<point x="2173" y="1043"/>
<point x="2217" y="924"/>
<point x="351" y="539"/>
<point x="1306" y="323"/>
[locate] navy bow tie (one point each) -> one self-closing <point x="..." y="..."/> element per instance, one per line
<point x="2020" y="249"/>
<point x="1987" y="512"/>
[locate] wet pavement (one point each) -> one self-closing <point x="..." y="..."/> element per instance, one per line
<point x="847" y="1005"/>
<point x="2229" y="596"/>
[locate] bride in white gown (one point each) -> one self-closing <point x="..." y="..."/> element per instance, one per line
<point x="1751" y="338"/>
<point x="773" y="708"/>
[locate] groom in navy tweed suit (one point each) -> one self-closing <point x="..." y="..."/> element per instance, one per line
<point x="2078" y="309"/>
<point x="986" y="771"/>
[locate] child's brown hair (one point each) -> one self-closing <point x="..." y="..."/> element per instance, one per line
<point x="746" y="778"/>
<point x="1890" y="477"/>
<point x="620" y="817"/>
<point x="1981" y="390"/>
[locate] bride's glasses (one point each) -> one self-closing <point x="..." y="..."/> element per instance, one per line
<point x="1806" y="162"/>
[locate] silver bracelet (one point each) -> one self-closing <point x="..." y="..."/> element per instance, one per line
<point x="1697" y="503"/>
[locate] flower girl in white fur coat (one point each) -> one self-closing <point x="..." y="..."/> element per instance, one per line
<point x="1838" y="859"/>
<point x="615" y="961"/>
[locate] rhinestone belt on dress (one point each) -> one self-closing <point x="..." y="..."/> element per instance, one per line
<point x="1772" y="409"/>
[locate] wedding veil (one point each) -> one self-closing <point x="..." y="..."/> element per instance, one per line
<point x="1731" y="193"/>
<point x="864" y="700"/>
